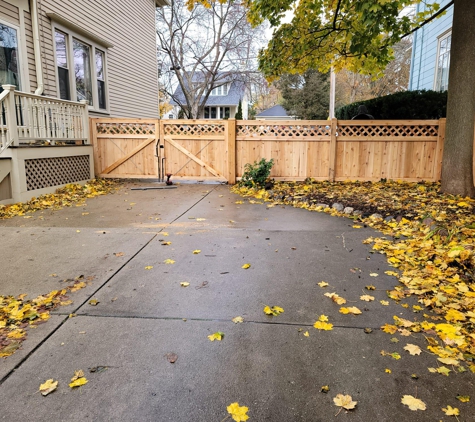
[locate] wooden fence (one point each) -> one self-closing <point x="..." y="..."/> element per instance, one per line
<point x="409" y="150"/>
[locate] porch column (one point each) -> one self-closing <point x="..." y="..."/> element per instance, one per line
<point x="10" y="115"/>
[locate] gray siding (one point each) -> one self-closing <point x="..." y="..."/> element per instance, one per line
<point x="131" y="65"/>
<point x="424" y="55"/>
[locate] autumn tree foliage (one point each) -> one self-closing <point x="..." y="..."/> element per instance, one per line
<point x="359" y="35"/>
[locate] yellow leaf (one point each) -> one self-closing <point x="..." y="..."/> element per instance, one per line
<point x="370" y="287"/>
<point x="323" y="284"/>
<point x="390" y="329"/>
<point x="196" y="251"/>
<point x="237" y="412"/>
<point x="451" y="411"/>
<point x="449" y="361"/>
<point x="164" y="233"/>
<point x="443" y="370"/>
<point x="149" y="267"/>
<point x="384" y="302"/>
<point x="374" y="274"/>
<point x="48" y="386"/>
<point x="350" y="310"/>
<point x="238" y="319"/>
<point x="413" y="349"/>
<point x="77" y="374"/>
<point x="463" y="399"/>
<point x="388" y="371"/>
<point x="246" y="266"/>
<point x="344" y="401"/>
<point x="394" y="273"/>
<point x="78" y="382"/>
<point x="200" y="219"/>
<point x="184" y="284"/>
<point x="306" y="334"/>
<point x="337" y="299"/>
<point x="320" y="325"/>
<point x="216" y="336"/>
<point x="357" y="226"/>
<point x="367" y="298"/>
<point x="93" y="302"/>
<point x="323" y="318"/>
<point x="413" y="403"/>
<point x="166" y="243"/>
<point x="454" y="315"/>
<point x="169" y="261"/>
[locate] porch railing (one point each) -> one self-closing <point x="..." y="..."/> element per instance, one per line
<point x="28" y="118"/>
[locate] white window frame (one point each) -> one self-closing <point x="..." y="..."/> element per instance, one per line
<point x="219" y="91"/>
<point x="21" y="57"/>
<point x="70" y="34"/>
<point x="441" y="38"/>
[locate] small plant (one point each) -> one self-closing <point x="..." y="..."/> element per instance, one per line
<point x="256" y="175"/>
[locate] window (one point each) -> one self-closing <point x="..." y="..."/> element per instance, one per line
<point x="443" y="62"/>
<point x="212" y="112"/>
<point x="81" y="70"/>
<point x="220" y="90"/>
<point x="9" y="66"/>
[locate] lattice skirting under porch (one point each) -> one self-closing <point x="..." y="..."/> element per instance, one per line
<point x="46" y="172"/>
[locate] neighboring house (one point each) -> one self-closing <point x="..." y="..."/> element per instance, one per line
<point x="274" y="113"/>
<point x="62" y="61"/>
<point x="222" y="102"/>
<point x="431" y="52"/>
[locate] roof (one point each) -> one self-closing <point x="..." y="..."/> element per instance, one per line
<point x="235" y="93"/>
<point x="276" y="111"/>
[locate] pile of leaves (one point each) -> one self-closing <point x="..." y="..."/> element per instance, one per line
<point x="428" y="236"/>
<point x="64" y="197"/>
<point x="18" y="314"/>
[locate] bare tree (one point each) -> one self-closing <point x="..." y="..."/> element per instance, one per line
<point x="204" y="48"/>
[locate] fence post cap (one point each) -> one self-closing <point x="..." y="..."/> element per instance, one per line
<point x="84" y="102"/>
<point x="8" y="87"/>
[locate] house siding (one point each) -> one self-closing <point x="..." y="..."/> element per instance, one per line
<point x="9" y="13"/>
<point x="30" y="51"/>
<point x="131" y="62"/>
<point x="424" y="54"/>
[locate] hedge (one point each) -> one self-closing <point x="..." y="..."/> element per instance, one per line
<point x="401" y="105"/>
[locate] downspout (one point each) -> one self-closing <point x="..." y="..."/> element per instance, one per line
<point x="37" y="47"/>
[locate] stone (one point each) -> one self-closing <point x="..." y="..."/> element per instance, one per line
<point x="337" y="206"/>
<point x="389" y="218"/>
<point x="357" y="212"/>
<point x="348" y="210"/>
<point x="376" y="216"/>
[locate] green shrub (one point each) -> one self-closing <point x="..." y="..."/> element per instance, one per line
<point x="256" y="174"/>
<point x="401" y="105"/>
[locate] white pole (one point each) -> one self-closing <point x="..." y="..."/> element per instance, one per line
<point x="332" y="93"/>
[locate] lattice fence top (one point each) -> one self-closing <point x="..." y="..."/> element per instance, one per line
<point x="195" y="129"/>
<point x="388" y="130"/>
<point x="283" y="131"/>
<point x="126" y="128"/>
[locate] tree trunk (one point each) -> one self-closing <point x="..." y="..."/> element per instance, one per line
<point x="457" y="165"/>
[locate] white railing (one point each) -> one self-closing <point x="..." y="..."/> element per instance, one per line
<point x="37" y="118"/>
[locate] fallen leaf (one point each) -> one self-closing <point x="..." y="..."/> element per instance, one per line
<point x="169" y="261"/>
<point x="373" y="274"/>
<point x="350" y="310"/>
<point x="413" y="349"/>
<point x="184" y="284"/>
<point x="246" y="266"/>
<point x="78" y="382"/>
<point x="367" y="298"/>
<point x="306" y="334"/>
<point x="463" y="399"/>
<point x="48" y="387"/>
<point x="388" y="371"/>
<point x="238" y="319"/>
<point x="200" y="219"/>
<point x="274" y="310"/>
<point x="325" y="389"/>
<point x="323" y="318"/>
<point x="344" y="401"/>
<point x="164" y="233"/>
<point x="216" y="336"/>
<point x="77" y="374"/>
<point x="172" y="357"/>
<point x="119" y="253"/>
<point x="356" y="226"/>
<point x="384" y="302"/>
<point x="320" y="325"/>
<point x="451" y="411"/>
<point x="196" y="251"/>
<point x="93" y="302"/>
<point x="393" y="273"/>
<point x="370" y="287"/>
<point x="413" y="403"/>
<point x="166" y="243"/>
<point x="323" y="284"/>
<point x="237" y="412"/>
<point x="149" y="267"/>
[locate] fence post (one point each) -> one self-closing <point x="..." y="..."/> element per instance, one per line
<point x="10" y="115"/>
<point x="439" y="150"/>
<point x="230" y="139"/>
<point x="332" y="152"/>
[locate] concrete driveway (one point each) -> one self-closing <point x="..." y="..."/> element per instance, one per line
<point x="265" y="363"/>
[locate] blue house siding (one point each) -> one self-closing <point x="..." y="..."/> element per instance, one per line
<point x="424" y="49"/>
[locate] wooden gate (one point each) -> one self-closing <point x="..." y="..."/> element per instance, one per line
<point x="125" y="148"/>
<point x="198" y="149"/>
